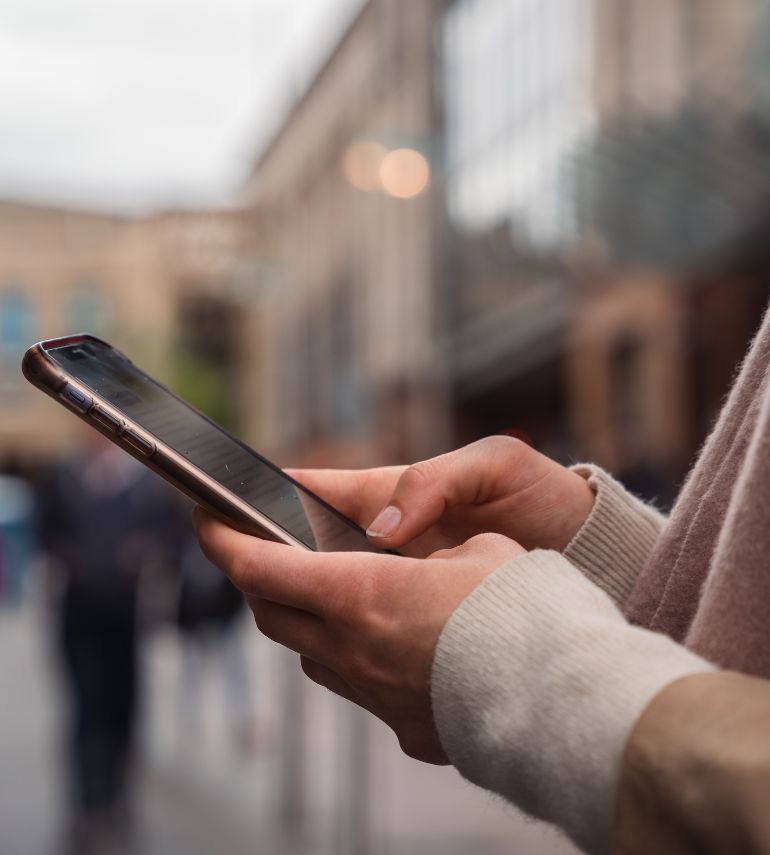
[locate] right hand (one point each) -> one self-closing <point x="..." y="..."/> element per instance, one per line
<point x="498" y="484"/>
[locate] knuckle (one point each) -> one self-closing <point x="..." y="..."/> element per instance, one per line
<point x="418" y="476"/>
<point x="377" y="590"/>
<point x="355" y="593"/>
<point x="343" y="601"/>
<point x="499" y="445"/>
<point x="492" y="547"/>
<point x="488" y="539"/>
<point x="358" y="671"/>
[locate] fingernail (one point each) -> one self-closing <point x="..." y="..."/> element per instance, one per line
<point x="386" y="522"/>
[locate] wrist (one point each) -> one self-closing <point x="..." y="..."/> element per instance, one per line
<point x="616" y="539"/>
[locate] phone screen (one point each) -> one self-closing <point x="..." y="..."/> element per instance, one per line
<point x="210" y="448"/>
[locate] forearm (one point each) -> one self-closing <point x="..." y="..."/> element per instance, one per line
<point x="695" y="776"/>
<point x="537" y="682"/>
<point x="618" y="536"/>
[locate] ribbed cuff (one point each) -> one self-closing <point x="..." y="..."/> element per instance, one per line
<point x="616" y="540"/>
<point x="537" y="682"/>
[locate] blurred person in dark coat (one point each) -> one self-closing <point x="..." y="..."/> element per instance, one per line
<point x="16" y="535"/>
<point x="104" y="521"/>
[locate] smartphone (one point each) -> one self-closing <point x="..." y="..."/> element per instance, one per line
<point x="104" y="388"/>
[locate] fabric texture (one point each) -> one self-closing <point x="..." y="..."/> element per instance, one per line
<point x="537" y="681"/>
<point x="706" y="582"/>
<point x="616" y="540"/>
<point x="696" y="773"/>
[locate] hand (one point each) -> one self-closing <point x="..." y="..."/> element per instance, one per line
<point x="498" y="484"/>
<point x="365" y="625"/>
<point x="361" y="494"/>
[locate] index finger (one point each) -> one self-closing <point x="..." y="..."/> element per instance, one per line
<point x="306" y="580"/>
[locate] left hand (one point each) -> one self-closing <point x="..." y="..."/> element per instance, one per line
<point x="365" y="625"/>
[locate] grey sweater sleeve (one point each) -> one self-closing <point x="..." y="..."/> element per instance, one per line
<point x="537" y="681"/>
<point x="616" y="540"/>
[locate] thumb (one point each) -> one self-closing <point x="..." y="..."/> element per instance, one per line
<point x="422" y="495"/>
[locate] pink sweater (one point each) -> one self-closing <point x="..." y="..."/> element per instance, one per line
<point x="706" y="582"/>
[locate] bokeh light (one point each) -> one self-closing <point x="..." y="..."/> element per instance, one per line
<point x="404" y="173"/>
<point x="361" y="164"/>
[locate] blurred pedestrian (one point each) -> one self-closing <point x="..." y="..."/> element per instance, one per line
<point x="104" y="520"/>
<point x="16" y="536"/>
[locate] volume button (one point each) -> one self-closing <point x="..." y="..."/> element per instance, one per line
<point x="75" y="398"/>
<point x="142" y="445"/>
<point x="106" y="420"/>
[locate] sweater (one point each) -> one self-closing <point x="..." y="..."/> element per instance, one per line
<point x="538" y="679"/>
<point x="706" y="581"/>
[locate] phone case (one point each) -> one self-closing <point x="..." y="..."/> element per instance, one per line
<point x="51" y="378"/>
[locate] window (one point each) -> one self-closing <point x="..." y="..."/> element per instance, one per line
<point x="87" y="310"/>
<point x="17" y="324"/>
<point x="17" y="333"/>
<point x="515" y="90"/>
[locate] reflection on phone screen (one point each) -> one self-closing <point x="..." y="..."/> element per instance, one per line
<point x="210" y="448"/>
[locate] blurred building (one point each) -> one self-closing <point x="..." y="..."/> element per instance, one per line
<point x="62" y="271"/>
<point x="587" y="222"/>
<point x="670" y="192"/>
<point x="159" y="287"/>
<point x="606" y="179"/>
<point x="514" y="80"/>
<point x="478" y="217"/>
<point x="347" y="218"/>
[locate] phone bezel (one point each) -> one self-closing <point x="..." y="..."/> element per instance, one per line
<point x="43" y="372"/>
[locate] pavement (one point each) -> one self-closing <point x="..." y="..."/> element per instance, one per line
<point x="175" y="815"/>
<point x="313" y="776"/>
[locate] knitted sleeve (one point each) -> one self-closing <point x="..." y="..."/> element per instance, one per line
<point x="615" y="541"/>
<point x="536" y="683"/>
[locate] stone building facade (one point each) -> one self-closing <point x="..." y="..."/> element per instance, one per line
<point x="133" y="281"/>
<point x="348" y="262"/>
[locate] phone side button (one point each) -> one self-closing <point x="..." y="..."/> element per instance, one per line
<point x="106" y="420"/>
<point x="139" y="443"/>
<point x="75" y="398"/>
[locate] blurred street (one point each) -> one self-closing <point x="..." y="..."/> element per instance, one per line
<point x="195" y="797"/>
<point x="176" y="816"/>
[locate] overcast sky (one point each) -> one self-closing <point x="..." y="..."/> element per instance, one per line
<point x="135" y="104"/>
